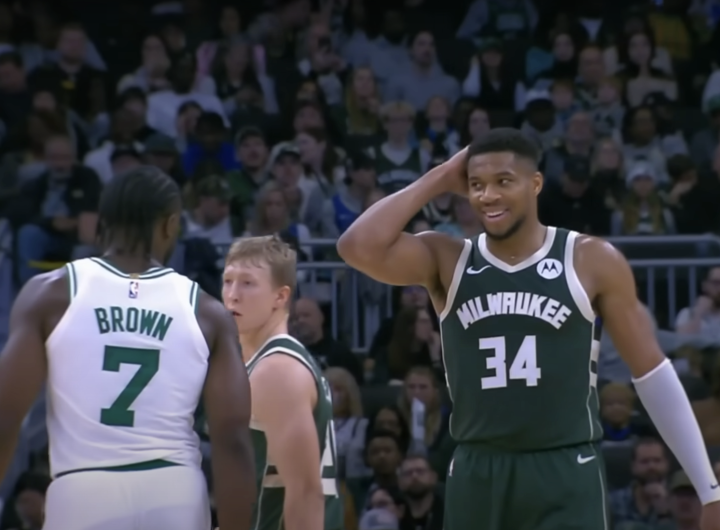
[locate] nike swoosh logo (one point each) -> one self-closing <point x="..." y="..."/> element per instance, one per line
<point x="470" y="270"/>
<point x="715" y="486"/>
<point x="584" y="459"/>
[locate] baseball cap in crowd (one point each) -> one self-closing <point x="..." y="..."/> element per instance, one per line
<point x="213" y="186"/>
<point x="378" y="519"/>
<point x="712" y="105"/>
<point x="284" y="149"/>
<point x="537" y="98"/>
<point x="160" y="144"/>
<point x="680" y="481"/>
<point x="640" y="169"/>
<point x="486" y="44"/>
<point x="577" y="168"/>
<point x="248" y="132"/>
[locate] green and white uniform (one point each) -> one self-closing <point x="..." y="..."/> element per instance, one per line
<point x="268" y="514"/>
<point x="126" y="367"/>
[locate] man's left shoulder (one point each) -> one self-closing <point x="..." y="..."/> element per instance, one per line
<point x="84" y="175"/>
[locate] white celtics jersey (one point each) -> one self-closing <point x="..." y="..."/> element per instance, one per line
<point x="126" y="368"/>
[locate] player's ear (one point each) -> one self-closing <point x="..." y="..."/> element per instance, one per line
<point x="171" y="226"/>
<point x="283" y="297"/>
<point x="538" y="180"/>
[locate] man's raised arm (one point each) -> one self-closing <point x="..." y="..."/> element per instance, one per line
<point x="376" y="243"/>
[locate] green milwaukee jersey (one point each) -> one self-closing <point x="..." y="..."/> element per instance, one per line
<point x="520" y="345"/>
<point x="268" y="513"/>
<point x="394" y="176"/>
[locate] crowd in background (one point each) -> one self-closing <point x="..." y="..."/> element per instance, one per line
<point x="291" y="117"/>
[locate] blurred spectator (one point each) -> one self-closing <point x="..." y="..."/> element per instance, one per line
<point x="562" y="95"/>
<point x="617" y="402"/>
<point x="152" y="74"/>
<point x="591" y="72"/>
<point x="578" y="139"/>
<point x="693" y="204"/>
<point x="707" y="411"/>
<point x="383" y="455"/>
<point x="425" y="509"/>
<point x="307" y="326"/>
<point x="350" y="425"/>
<point x="705" y="141"/>
<point x="124" y="159"/>
<point x="464" y="222"/>
<point x="323" y="163"/>
<point x="421" y="405"/>
<point x="211" y="143"/>
<point x="58" y="210"/>
<point x="643" y="211"/>
<point x="185" y="122"/>
<point x="641" y="142"/>
<point x="704" y="315"/>
<point x="323" y="63"/>
<point x="423" y="77"/>
<point x="397" y="162"/>
<point x="164" y="106"/>
<point x="489" y="80"/>
<point x="685" y="507"/>
<point x="251" y="151"/>
<point x="273" y="215"/>
<point x="134" y="101"/>
<point x="608" y="173"/>
<point x="669" y="134"/>
<point x="233" y="69"/>
<point x="541" y="123"/>
<point x="359" y="116"/>
<point x="388" y="52"/>
<point x="210" y="217"/>
<point x="348" y="202"/>
<point x="45" y="99"/>
<point x="390" y="419"/>
<point x="278" y="30"/>
<point x="608" y="112"/>
<point x="390" y="499"/>
<point x="121" y="136"/>
<point x="160" y="151"/>
<point x="69" y="74"/>
<point x="565" y="62"/>
<point x="572" y="202"/>
<point x="636" y="22"/>
<point x="15" y="95"/>
<point x="512" y="19"/>
<point x="474" y="126"/>
<point x="439" y="138"/>
<point x="638" y="74"/>
<point x="640" y="502"/>
<point x="229" y="26"/>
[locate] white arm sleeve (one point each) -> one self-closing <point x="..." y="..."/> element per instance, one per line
<point x="667" y="404"/>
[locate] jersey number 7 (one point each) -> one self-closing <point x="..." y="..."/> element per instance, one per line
<point x="148" y="361"/>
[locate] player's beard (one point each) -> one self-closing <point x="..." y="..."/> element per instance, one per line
<point x="509" y="232"/>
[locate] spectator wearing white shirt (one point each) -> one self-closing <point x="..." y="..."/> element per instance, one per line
<point x="121" y="135"/>
<point x="163" y="106"/>
<point x="704" y="315"/>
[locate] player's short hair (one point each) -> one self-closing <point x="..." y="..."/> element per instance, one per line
<point x="506" y="140"/>
<point x="133" y="202"/>
<point x="267" y="250"/>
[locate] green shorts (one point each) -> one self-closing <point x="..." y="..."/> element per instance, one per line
<point x="562" y="489"/>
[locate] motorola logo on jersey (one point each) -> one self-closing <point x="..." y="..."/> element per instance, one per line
<point x="549" y="268"/>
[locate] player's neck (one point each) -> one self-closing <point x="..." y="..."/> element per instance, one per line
<point x="129" y="263"/>
<point x="252" y="341"/>
<point x="521" y="245"/>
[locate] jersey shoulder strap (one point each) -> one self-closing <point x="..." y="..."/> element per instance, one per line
<point x="287" y="345"/>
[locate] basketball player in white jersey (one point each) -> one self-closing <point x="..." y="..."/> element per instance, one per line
<point x="291" y="421"/>
<point x="128" y="349"/>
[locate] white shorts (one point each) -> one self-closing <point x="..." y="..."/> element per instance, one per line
<point x="172" y="498"/>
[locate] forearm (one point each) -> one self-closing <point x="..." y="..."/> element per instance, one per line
<point x="234" y="482"/>
<point x="380" y="225"/>
<point x="304" y="507"/>
<point x="8" y="445"/>
<point x="667" y="404"/>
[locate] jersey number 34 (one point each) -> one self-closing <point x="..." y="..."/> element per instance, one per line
<point x="119" y="413"/>
<point x="524" y="366"/>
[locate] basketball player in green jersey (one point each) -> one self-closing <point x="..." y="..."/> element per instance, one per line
<point x="128" y="348"/>
<point x="291" y="423"/>
<point x="520" y="309"/>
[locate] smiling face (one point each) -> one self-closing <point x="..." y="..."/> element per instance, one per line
<point x="503" y="189"/>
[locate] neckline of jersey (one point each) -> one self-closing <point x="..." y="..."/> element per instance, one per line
<point x="152" y="272"/>
<point x="524" y="264"/>
<point x="268" y="341"/>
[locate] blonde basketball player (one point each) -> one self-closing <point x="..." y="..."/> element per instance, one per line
<point x="291" y="423"/>
<point x="128" y="348"/>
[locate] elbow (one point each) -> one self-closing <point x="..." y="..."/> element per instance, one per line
<point x="349" y="246"/>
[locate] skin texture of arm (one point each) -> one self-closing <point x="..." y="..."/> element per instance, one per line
<point x="284" y="395"/>
<point x="226" y="397"/>
<point x="23" y="365"/>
